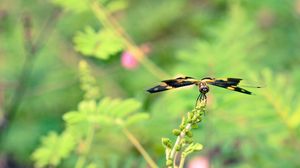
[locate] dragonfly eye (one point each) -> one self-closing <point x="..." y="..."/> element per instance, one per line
<point x="203" y="89"/>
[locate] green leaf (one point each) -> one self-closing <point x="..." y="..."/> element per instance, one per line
<point x="100" y="44"/>
<point x="294" y="119"/>
<point x="83" y="5"/>
<point x="74" y="117"/>
<point x="103" y="120"/>
<point x="103" y="104"/>
<point x="116" y="5"/>
<point x="114" y="103"/>
<point x="192" y="148"/>
<point x="78" y="130"/>
<point x="137" y="118"/>
<point x="116" y="111"/>
<point x="167" y="143"/>
<point x="106" y="112"/>
<point x="176" y="132"/>
<point x="197" y="147"/>
<point x="126" y="107"/>
<point x="87" y="82"/>
<point x="87" y="107"/>
<point x="73" y="5"/>
<point x="91" y="165"/>
<point x="53" y="149"/>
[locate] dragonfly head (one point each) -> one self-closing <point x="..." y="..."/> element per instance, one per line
<point x="203" y="88"/>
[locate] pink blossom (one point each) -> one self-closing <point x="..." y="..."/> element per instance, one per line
<point x="199" y="162"/>
<point x="128" y="61"/>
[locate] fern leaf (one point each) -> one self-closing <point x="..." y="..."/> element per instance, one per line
<point x="136" y="118"/>
<point x="102" y="44"/>
<point x="48" y="153"/>
<point x="124" y="108"/>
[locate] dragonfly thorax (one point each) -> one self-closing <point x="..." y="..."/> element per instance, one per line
<point x="203" y="88"/>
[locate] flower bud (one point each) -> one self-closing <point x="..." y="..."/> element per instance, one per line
<point x="176" y="132"/>
<point x="166" y="142"/>
<point x="189" y="134"/>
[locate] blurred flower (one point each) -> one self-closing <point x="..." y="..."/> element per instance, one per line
<point x="199" y="162"/>
<point x="266" y="18"/>
<point x="145" y="48"/>
<point x="297" y="7"/>
<point x="128" y="60"/>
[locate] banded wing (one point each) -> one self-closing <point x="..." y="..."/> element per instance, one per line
<point x="227" y="83"/>
<point x="173" y="83"/>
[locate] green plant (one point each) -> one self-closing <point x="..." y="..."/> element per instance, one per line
<point x="82" y="125"/>
<point x="184" y="144"/>
<point x="254" y="40"/>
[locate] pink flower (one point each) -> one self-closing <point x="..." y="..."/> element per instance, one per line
<point x="199" y="162"/>
<point x="128" y="61"/>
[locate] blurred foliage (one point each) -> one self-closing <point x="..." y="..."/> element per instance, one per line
<point x="254" y="40"/>
<point x="82" y="125"/>
<point x="101" y="44"/>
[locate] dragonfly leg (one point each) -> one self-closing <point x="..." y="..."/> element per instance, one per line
<point x="198" y="99"/>
<point x="201" y="99"/>
<point x="205" y="98"/>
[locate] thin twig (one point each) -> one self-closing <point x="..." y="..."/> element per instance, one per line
<point x="194" y="117"/>
<point x="279" y="108"/>
<point x="110" y="23"/>
<point x="140" y="148"/>
<point x="182" y="160"/>
<point x="178" y="141"/>
<point x="87" y="145"/>
<point x="32" y="48"/>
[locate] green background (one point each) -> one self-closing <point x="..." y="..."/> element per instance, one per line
<point x="254" y="40"/>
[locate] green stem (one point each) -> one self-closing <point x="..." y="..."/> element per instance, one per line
<point x="178" y="142"/>
<point x="140" y="148"/>
<point x="87" y="145"/>
<point x="283" y="116"/>
<point x="32" y="47"/>
<point x="80" y="162"/>
<point x="193" y="117"/>
<point x="182" y="160"/>
<point x="110" y="23"/>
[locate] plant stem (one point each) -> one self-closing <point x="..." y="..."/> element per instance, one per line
<point x="80" y="162"/>
<point x="193" y="118"/>
<point x="32" y="48"/>
<point x="110" y="23"/>
<point x="139" y="147"/>
<point x="182" y="160"/>
<point x="87" y="145"/>
<point x="283" y="116"/>
<point x="178" y="142"/>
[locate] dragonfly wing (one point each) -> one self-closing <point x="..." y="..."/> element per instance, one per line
<point x="226" y="82"/>
<point x="159" y="88"/>
<point x="173" y="83"/>
<point x="181" y="81"/>
<point x="229" y="83"/>
<point x="238" y="89"/>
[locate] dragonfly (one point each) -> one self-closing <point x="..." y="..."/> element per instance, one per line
<point x="227" y="83"/>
